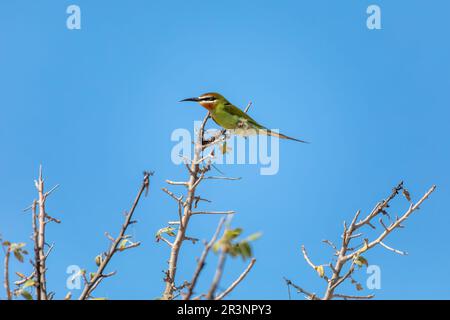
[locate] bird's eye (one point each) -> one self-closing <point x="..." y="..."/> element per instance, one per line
<point x="208" y="99"/>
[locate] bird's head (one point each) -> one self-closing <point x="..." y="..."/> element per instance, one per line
<point x="208" y="100"/>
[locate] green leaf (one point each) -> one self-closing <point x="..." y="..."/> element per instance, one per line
<point x="99" y="298"/>
<point x="28" y="283"/>
<point x="167" y="230"/>
<point x="320" y="271"/>
<point x="18" y="255"/>
<point x="21" y="245"/>
<point x="360" y="261"/>
<point x="231" y="234"/>
<point x="98" y="260"/>
<point x="216" y="246"/>
<point x="123" y="244"/>
<point x="234" y="251"/>
<point x="17" y="246"/>
<point x="245" y="249"/>
<point x="254" y="236"/>
<point x="26" y="295"/>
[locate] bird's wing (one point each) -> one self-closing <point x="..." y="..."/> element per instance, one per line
<point x="235" y="111"/>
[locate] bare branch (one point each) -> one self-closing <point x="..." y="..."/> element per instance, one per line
<point x="177" y="183"/>
<point x="347" y="297"/>
<point x="172" y="195"/>
<point x="213" y="212"/>
<point x="340" y="280"/>
<point x="99" y="275"/>
<point x="185" y="215"/>
<point x="201" y="262"/>
<point x="40" y="219"/>
<point x="396" y="224"/>
<point x="218" y="275"/>
<point x="308" y="260"/>
<point x="237" y="281"/>
<point x="6" y="273"/>
<point x="380" y="206"/>
<point x="309" y="296"/>
<point x="198" y="166"/>
<point x="170" y="244"/>
<point x="345" y="253"/>
<point x="403" y="253"/>
<point x="222" y="178"/>
<point x="331" y="244"/>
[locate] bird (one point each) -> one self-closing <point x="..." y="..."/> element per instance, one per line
<point x="230" y="117"/>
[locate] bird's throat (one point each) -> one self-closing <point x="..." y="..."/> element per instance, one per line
<point x="207" y="105"/>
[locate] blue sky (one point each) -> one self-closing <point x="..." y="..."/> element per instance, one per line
<point x="97" y="106"/>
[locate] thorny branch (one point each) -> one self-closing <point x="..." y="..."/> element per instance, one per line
<point x="346" y="254"/>
<point x="118" y="244"/>
<point x="40" y="218"/>
<point x="197" y="168"/>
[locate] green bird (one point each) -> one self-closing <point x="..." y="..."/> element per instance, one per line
<point x="231" y="117"/>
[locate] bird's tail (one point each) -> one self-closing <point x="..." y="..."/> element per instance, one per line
<point x="282" y="136"/>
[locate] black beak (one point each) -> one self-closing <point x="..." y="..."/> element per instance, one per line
<point x="190" y="99"/>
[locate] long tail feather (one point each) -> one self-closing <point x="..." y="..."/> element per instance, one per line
<point x="282" y="136"/>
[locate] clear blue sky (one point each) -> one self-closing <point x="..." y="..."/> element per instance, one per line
<point x="97" y="106"/>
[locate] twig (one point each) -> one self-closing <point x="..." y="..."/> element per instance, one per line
<point x="196" y="175"/>
<point x="6" y="273"/>
<point x="345" y="253"/>
<point x="191" y="185"/>
<point x="114" y="248"/>
<point x="222" y="178"/>
<point x="22" y="281"/>
<point x="396" y="224"/>
<point x="310" y="296"/>
<point x="40" y="218"/>
<point x="170" y="244"/>
<point x="348" y="235"/>
<point x="346" y="297"/>
<point x="40" y="259"/>
<point x="36" y="264"/>
<point x="308" y="260"/>
<point x="212" y="212"/>
<point x="177" y="183"/>
<point x="403" y="253"/>
<point x="237" y="281"/>
<point x="380" y="206"/>
<point x="331" y="244"/>
<point x="217" y="276"/>
<point x="197" y="168"/>
<point x="201" y="262"/>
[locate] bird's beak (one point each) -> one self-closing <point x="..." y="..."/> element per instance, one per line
<point x="190" y="99"/>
